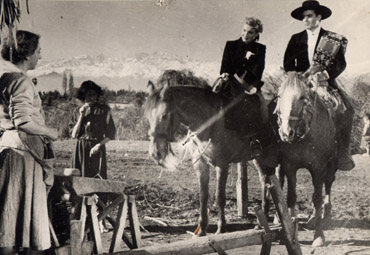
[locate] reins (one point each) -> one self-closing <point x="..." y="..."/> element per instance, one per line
<point x="301" y="115"/>
<point x="168" y="133"/>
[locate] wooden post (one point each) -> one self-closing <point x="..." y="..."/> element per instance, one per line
<point x="267" y="240"/>
<point x="134" y="222"/>
<point x="242" y="189"/>
<point x="91" y="201"/>
<point x="291" y="241"/>
<point x="201" y="245"/>
<point x="77" y="225"/>
<point x="119" y="228"/>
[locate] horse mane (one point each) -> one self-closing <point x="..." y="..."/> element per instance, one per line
<point x="151" y="101"/>
<point x="176" y="79"/>
<point x="182" y="78"/>
<point x="293" y="81"/>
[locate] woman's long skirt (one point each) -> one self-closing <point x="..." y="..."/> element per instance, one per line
<point x="24" y="220"/>
<point x="94" y="166"/>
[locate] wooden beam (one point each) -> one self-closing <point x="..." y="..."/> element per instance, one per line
<point x="119" y="228"/>
<point x="86" y="185"/>
<point x="95" y="224"/>
<point x="242" y="189"/>
<point x="266" y="245"/>
<point x="200" y="245"/>
<point x="75" y="237"/>
<point x="134" y="222"/>
<point x="291" y="241"/>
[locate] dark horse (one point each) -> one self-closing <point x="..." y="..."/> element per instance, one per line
<point x="201" y="111"/>
<point x="307" y="130"/>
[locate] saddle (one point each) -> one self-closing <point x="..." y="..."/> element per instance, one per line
<point x="329" y="95"/>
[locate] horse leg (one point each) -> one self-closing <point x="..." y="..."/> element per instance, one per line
<point x="221" y="175"/>
<point x="202" y="169"/>
<point x="330" y="177"/>
<point x="317" y="200"/>
<point x="281" y="175"/>
<point x="292" y="195"/>
<point x="262" y="175"/>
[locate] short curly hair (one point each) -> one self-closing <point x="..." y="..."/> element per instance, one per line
<point x="256" y="24"/>
<point x="86" y="86"/>
<point x="24" y="45"/>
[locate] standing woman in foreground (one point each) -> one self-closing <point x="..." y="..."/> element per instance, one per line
<point x="25" y="150"/>
<point x="92" y="124"/>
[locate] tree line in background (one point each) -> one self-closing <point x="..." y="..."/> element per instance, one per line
<point x="127" y="108"/>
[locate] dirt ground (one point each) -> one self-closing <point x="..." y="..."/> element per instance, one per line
<point x="172" y="197"/>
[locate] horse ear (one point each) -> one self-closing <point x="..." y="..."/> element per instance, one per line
<point x="150" y="87"/>
<point x="164" y="90"/>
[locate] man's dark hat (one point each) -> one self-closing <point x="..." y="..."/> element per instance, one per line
<point x="311" y="5"/>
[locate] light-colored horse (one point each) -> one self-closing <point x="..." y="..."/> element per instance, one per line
<point x="307" y="130"/>
<point x="200" y="110"/>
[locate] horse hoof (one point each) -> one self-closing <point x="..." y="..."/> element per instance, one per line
<point x="318" y="242"/>
<point x="220" y="231"/>
<point x="200" y="234"/>
<point x="257" y="227"/>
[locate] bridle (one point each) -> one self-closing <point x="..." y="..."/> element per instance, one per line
<point x="305" y="113"/>
<point x="168" y="133"/>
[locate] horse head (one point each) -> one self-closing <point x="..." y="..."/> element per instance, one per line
<point x="161" y="119"/>
<point x="293" y="108"/>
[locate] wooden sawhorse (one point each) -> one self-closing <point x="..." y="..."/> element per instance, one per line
<point x="84" y="218"/>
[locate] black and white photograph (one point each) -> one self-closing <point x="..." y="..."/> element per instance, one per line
<point x="184" y="127"/>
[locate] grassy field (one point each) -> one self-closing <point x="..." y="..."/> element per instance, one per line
<point x="173" y="196"/>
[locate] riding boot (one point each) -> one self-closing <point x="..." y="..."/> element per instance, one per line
<point x="345" y="161"/>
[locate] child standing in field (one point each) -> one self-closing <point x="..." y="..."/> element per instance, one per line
<point x="365" y="141"/>
<point x="92" y="124"/>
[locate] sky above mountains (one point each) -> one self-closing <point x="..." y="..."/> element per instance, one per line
<point x="195" y="29"/>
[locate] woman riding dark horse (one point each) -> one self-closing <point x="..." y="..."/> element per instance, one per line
<point x="210" y="145"/>
<point x="241" y="71"/>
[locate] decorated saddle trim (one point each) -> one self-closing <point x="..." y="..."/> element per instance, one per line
<point x="328" y="47"/>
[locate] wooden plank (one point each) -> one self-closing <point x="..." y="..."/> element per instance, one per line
<point x="242" y="189"/>
<point x="63" y="250"/>
<point x="77" y="225"/>
<point x="108" y="209"/>
<point x="200" y="245"/>
<point x="216" y="247"/>
<point x="134" y="222"/>
<point x="119" y="228"/>
<point x="75" y="237"/>
<point x="291" y="241"/>
<point x="87" y="249"/>
<point x="53" y="236"/>
<point x="95" y="227"/>
<point x="266" y="245"/>
<point x="85" y="185"/>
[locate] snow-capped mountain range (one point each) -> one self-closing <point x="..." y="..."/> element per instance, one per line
<point x="142" y="66"/>
<point x="130" y="72"/>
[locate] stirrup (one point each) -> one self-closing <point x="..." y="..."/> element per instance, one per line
<point x="256" y="148"/>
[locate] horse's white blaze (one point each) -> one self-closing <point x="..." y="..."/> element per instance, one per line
<point x="170" y="162"/>
<point x="286" y="108"/>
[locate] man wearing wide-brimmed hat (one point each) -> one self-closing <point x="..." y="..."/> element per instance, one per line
<point x="316" y="51"/>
